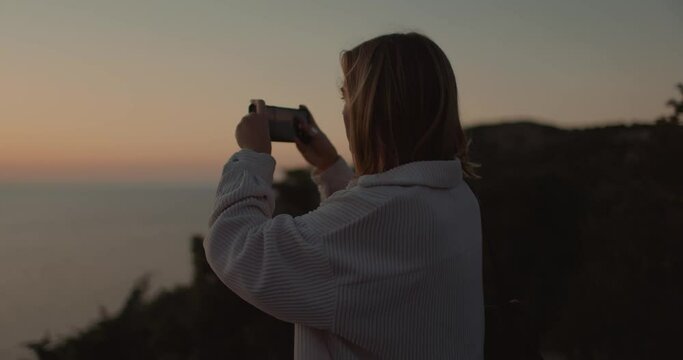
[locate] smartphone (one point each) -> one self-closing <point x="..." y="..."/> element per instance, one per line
<point x="284" y="122"/>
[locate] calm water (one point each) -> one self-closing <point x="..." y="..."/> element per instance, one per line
<point x="67" y="250"/>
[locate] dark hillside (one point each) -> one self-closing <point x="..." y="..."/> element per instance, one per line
<point x="583" y="228"/>
<point x="582" y="232"/>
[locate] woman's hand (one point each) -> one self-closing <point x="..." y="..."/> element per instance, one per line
<point x="253" y="132"/>
<point x="319" y="152"/>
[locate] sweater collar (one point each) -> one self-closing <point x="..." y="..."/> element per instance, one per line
<point x="433" y="173"/>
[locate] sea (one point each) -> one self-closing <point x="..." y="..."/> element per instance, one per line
<point x="69" y="252"/>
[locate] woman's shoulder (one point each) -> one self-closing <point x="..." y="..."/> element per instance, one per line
<point x="344" y="207"/>
<point x="350" y="206"/>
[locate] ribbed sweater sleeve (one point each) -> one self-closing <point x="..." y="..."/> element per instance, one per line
<point x="334" y="178"/>
<point x="267" y="261"/>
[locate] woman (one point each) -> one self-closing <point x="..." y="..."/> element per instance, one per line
<point x="389" y="265"/>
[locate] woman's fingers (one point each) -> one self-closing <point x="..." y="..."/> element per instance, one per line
<point x="260" y="106"/>
<point x="312" y="130"/>
<point x="310" y="116"/>
<point x="307" y="128"/>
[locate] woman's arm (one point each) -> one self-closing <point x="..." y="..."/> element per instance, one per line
<point x="335" y="177"/>
<point x="267" y="261"/>
<point x="330" y="171"/>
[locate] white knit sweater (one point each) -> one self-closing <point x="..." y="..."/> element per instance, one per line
<point x="389" y="266"/>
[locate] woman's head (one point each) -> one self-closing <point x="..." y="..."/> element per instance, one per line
<point x="401" y="104"/>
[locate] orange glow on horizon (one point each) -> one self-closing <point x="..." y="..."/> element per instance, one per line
<point x="134" y="91"/>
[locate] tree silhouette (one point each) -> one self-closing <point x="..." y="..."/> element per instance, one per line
<point x="677" y="108"/>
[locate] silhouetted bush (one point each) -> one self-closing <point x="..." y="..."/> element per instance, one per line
<point x="676" y="108"/>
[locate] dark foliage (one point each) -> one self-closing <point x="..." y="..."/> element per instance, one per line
<point x="676" y="110"/>
<point x="582" y="233"/>
<point x="582" y="230"/>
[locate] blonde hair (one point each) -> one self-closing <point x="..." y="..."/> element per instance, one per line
<point x="402" y="104"/>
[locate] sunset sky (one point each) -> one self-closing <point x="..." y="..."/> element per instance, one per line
<point x="127" y="91"/>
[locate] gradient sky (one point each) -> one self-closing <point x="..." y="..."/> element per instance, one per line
<point x="152" y="90"/>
